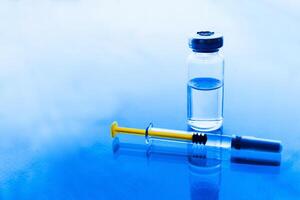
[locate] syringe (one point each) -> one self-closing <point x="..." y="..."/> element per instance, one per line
<point x="237" y="147"/>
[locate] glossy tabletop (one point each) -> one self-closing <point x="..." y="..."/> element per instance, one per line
<point x="69" y="68"/>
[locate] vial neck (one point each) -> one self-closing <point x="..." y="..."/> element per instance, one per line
<point x="206" y="51"/>
<point x="206" y="54"/>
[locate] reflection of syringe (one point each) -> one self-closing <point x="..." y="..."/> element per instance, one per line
<point x="253" y="148"/>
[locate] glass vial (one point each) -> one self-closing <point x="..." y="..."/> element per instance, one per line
<point x="205" y="82"/>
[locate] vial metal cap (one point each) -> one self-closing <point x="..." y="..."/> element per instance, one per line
<point x="206" y="41"/>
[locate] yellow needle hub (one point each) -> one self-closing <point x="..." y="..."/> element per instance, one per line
<point x="163" y="133"/>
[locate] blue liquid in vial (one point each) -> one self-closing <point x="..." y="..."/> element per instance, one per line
<point x="205" y="104"/>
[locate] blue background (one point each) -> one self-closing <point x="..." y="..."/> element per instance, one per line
<point x="71" y="67"/>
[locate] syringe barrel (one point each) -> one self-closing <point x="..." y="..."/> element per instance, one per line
<point x="228" y="141"/>
<point x="207" y="139"/>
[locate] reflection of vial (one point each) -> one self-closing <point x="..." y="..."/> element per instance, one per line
<point x="205" y="178"/>
<point x="205" y="82"/>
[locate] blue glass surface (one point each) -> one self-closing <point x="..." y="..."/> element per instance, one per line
<point x="70" y="67"/>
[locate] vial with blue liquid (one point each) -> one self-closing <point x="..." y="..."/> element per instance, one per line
<point x="205" y="85"/>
